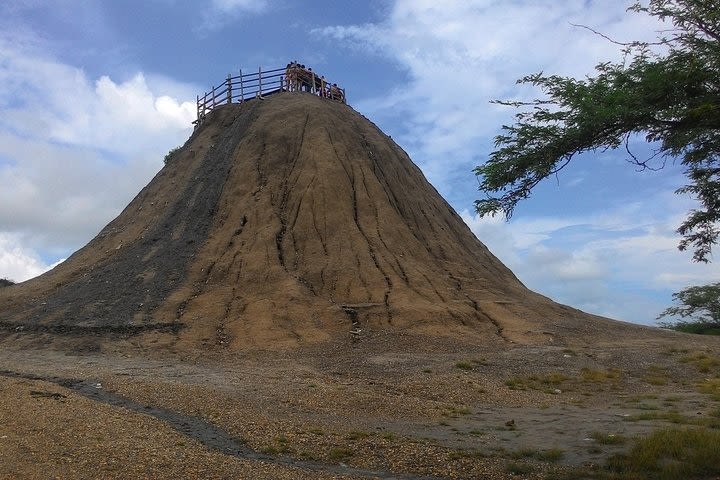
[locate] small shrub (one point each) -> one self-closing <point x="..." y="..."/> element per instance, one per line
<point x="6" y="282"/>
<point x="169" y="156"/>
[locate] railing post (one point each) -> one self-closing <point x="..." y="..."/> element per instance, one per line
<point x="229" y="89"/>
<point x="260" y="79"/>
<point x="312" y="86"/>
<point x="197" y="104"/>
<point x="242" y="94"/>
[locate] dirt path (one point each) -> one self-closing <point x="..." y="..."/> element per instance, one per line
<point x="207" y="434"/>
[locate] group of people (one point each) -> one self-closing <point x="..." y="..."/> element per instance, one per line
<point x="301" y="79"/>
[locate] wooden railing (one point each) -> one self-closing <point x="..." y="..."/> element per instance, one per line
<point x="248" y="86"/>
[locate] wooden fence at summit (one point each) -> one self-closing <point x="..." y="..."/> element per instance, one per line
<point x="261" y="83"/>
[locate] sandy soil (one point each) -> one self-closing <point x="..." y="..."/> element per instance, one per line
<point x="346" y="410"/>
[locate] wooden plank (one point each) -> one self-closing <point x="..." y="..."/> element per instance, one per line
<point x="242" y="98"/>
<point x="229" y="89"/>
<point x="260" y="79"/>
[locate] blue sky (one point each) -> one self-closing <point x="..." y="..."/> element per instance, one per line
<point x="94" y="93"/>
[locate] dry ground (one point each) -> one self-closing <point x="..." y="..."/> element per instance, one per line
<point x="366" y="409"/>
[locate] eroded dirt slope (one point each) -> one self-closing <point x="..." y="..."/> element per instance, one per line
<point x="288" y="220"/>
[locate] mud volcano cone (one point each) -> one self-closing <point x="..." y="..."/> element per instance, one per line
<point x="288" y="220"/>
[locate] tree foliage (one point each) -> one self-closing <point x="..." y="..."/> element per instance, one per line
<point x="171" y="154"/>
<point x="4" y="282"/>
<point x="672" y="98"/>
<point x="700" y="305"/>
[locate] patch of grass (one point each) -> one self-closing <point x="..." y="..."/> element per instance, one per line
<point x="280" y="446"/>
<point x="711" y="387"/>
<point x="306" y="455"/>
<point x="455" y="412"/>
<point x="317" y="431"/>
<point x="702" y="361"/>
<point x="608" y="438"/>
<point x="357" y="435"/>
<point x="657" y="375"/>
<point x="519" y="468"/>
<point x="675" y="351"/>
<point x="460" y="453"/>
<point x="515" y="383"/>
<point x="672" y="417"/>
<point x="390" y="437"/>
<point x="671" y="453"/>
<point x="551" y="455"/>
<point x="340" y="453"/>
<point x="552" y="379"/>
<point x="523" y="453"/>
<point x="464" y="365"/>
<point x="676" y="418"/>
<point x="600" y="376"/>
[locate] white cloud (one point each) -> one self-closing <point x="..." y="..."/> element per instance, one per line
<point x="18" y="263"/>
<point x="459" y="55"/>
<point x="622" y="263"/>
<point x="224" y="12"/>
<point x="74" y="150"/>
<point x="228" y="6"/>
